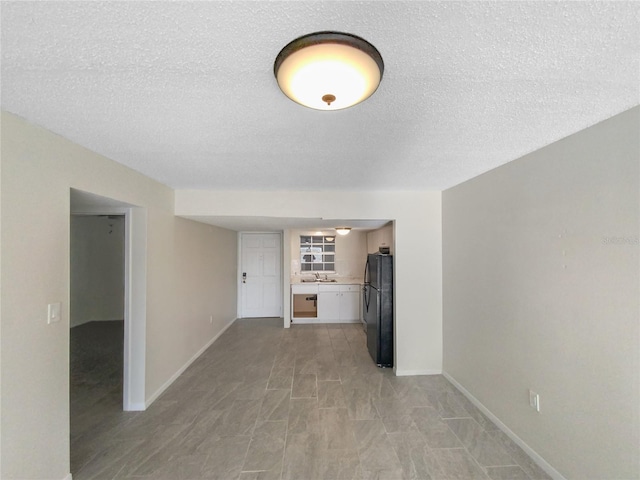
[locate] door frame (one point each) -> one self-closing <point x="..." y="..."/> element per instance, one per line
<point x="239" y="312"/>
<point x="135" y="294"/>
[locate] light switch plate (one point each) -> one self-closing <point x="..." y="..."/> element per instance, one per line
<point x="53" y="312"/>
<point x="534" y="400"/>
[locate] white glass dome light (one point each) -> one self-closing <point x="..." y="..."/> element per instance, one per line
<point x="328" y="70"/>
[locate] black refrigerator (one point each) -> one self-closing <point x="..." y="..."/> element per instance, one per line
<point x="378" y="307"/>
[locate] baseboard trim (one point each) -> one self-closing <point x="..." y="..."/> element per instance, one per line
<point x="181" y="370"/>
<point x="308" y="321"/>
<point x="411" y="373"/>
<point x="542" y="463"/>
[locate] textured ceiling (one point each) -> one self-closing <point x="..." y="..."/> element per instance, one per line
<point x="184" y="91"/>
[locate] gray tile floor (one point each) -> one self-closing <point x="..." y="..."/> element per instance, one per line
<point x="267" y="403"/>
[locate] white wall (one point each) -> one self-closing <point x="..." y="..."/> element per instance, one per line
<point x="418" y="255"/>
<point x="541" y="292"/>
<point x="350" y="257"/>
<point x="190" y="275"/>
<point x="97" y="269"/>
<point x="1" y="309"/>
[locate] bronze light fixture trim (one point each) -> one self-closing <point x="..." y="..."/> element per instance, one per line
<point x="328" y="70"/>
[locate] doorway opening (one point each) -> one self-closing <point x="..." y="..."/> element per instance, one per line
<point x="96" y="320"/>
<point x="107" y="316"/>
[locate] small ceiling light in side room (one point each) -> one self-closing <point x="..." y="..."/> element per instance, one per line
<point x="343" y="230"/>
<point x="328" y="70"/>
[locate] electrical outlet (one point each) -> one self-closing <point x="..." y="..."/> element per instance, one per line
<point x="211" y="319"/>
<point x="534" y="400"/>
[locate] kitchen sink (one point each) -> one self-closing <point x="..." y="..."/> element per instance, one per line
<point x="318" y="280"/>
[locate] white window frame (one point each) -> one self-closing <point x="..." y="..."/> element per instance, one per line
<point x="317" y="249"/>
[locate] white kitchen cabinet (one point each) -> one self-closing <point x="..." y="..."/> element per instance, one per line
<point x="350" y="305"/>
<point x="328" y="305"/>
<point x="335" y="303"/>
<point x="339" y="303"/>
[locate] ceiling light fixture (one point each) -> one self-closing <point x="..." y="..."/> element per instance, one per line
<point x="328" y="70"/>
<point x="343" y="230"/>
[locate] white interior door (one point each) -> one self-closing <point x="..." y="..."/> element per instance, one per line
<point x="261" y="271"/>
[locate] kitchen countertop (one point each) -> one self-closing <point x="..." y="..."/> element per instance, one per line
<point x="297" y="279"/>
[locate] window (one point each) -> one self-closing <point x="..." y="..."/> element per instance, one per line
<point x="317" y="253"/>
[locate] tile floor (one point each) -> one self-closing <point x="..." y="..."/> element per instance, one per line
<point x="267" y="403"/>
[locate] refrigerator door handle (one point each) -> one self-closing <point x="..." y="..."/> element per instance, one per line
<point x="365" y="287"/>
<point x="367" y="297"/>
<point x="366" y="271"/>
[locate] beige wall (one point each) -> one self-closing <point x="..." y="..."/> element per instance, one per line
<point x="38" y="170"/>
<point x="541" y="292"/>
<point x="418" y="251"/>
<point x="382" y="237"/>
<point x="205" y="284"/>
